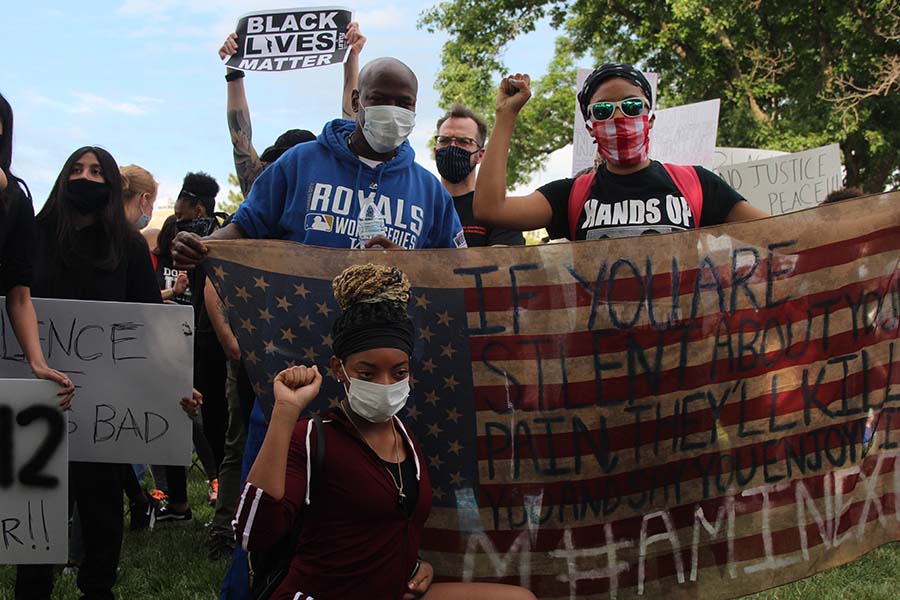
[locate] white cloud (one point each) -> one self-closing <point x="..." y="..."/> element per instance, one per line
<point x="378" y="18"/>
<point x="87" y="103"/>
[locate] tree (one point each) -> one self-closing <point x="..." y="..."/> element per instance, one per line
<point x="235" y="197"/>
<point x="791" y="74"/>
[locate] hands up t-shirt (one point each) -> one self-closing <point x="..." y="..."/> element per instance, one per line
<point x="640" y="203"/>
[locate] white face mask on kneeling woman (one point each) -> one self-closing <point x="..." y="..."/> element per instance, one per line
<point x="376" y="402"/>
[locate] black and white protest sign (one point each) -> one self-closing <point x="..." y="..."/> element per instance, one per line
<point x="131" y="365"/>
<point x="788" y="182"/>
<point x="34" y="473"/>
<point x="291" y="39"/>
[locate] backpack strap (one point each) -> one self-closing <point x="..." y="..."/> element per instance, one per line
<point x="688" y="183"/>
<point x="578" y="195"/>
<point x="315" y="422"/>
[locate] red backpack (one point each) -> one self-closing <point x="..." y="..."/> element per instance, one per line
<point x="685" y="179"/>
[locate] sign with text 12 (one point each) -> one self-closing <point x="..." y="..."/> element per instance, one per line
<point x="131" y="364"/>
<point x="790" y="182"/>
<point x="34" y="474"/>
<point x="291" y="39"/>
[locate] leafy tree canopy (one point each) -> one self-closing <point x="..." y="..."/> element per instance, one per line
<point x="791" y="74"/>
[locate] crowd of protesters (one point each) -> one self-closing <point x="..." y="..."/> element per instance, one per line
<point x="86" y="244"/>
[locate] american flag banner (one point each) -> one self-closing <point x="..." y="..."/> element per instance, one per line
<point x="700" y="414"/>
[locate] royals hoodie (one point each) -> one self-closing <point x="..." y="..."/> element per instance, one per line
<point x="315" y="192"/>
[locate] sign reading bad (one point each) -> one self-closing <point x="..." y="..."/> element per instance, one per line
<point x="287" y="40"/>
<point x="131" y="364"/>
<point x="34" y="474"/>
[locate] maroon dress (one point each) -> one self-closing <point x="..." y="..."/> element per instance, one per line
<point x="356" y="540"/>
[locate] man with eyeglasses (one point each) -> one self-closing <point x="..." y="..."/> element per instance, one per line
<point x="458" y="148"/>
<point x="628" y="194"/>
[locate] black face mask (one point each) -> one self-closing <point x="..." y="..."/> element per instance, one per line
<point x="86" y="196"/>
<point x="454" y="163"/>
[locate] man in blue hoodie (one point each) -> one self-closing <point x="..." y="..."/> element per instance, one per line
<point x="357" y="185"/>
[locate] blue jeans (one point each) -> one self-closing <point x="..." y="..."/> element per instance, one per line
<point x="236" y="585"/>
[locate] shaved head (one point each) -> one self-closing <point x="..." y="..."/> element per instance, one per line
<point x="386" y="70"/>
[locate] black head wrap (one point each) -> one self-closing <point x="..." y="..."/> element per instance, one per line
<point x="362" y="336"/>
<point x="608" y="71"/>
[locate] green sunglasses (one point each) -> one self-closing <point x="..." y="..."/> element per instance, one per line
<point x="603" y="111"/>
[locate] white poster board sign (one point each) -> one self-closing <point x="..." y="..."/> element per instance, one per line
<point x="131" y="364"/>
<point x="790" y="182"/>
<point x="291" y="39"/>
<point x="726" y="157"/>
<point x="584" y="149"/>
<point x="34" y="474"/>
<point x="686" y="135"/>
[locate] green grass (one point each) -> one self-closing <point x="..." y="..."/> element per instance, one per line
<point x="170" y="563"/>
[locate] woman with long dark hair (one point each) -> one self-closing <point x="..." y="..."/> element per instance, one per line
<point x="87" y="250"/>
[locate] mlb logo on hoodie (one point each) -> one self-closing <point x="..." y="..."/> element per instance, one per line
<point x="319" y="222"/>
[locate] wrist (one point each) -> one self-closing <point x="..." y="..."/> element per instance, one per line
<point x="286" y="411"/>
<point x="506" y="116"/>
<point x="233" y="74"/>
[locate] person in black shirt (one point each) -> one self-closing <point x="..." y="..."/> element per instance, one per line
<point x="16" y="239"/>
<point x="87" y="250"/>
<point x="458" y="148"/>
<point x="629" y="195"/>
<point x="195" y="211"/>
<point x="16" y="272"/>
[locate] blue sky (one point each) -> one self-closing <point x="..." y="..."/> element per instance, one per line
<point x="142" y="78"/>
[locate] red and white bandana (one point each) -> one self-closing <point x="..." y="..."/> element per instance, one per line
<point x="623" y="141"/>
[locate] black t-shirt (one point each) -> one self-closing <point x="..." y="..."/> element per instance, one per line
<point x="479" y="234"/>
<point x="132" y="280"/>
<point x="16" y="238"/>
<point x="166" y="274"/>
<point x="641" y="203"/>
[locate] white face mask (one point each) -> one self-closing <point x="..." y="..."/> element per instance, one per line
<point x="387" y="127"/>
<point x="376" y="402"/>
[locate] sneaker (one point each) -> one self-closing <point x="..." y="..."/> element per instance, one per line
<point x="219" y="545"/>
<point x="143" y="514"/>
<point x="167" y="513"/>
<point x="213" y="492"/>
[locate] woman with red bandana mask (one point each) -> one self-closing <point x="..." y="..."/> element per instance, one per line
<point x="629" y="194"/>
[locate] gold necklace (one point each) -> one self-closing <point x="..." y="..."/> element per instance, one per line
<point x="400" y="495"/>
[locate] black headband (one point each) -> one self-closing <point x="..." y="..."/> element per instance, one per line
<point x="369" y="336"/>
<point x="608" y="71"/>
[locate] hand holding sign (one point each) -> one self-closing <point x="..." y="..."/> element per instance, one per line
<point x="229" y="47"/>
<point x="192" y="405"/>
<point x="356" y="40"/>
<point x="68" y="388"/>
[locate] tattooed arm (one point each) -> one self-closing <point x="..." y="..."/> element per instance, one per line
<point x="246" y="161"/>
<point x="351" y="69"/>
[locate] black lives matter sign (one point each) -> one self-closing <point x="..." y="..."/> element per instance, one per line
<point x="287" y="40"/>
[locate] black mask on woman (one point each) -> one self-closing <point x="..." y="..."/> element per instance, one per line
<point x="87" y="196"/>
<point x="454" y="163"/>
